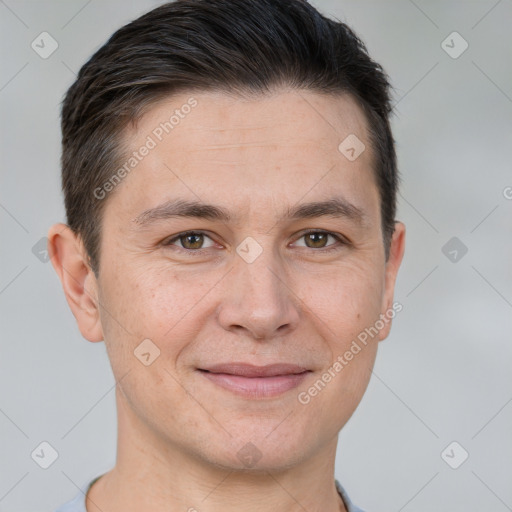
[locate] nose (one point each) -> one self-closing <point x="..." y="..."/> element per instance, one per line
<point x="258" y="299"/>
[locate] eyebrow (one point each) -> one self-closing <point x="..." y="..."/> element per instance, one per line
<point x="335" y="207"/>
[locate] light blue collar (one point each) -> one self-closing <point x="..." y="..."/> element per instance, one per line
<point x="78" y="502"/>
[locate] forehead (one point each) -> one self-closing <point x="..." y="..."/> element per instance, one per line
<point x="241" y="151"/>
<point x="283" y="117"/>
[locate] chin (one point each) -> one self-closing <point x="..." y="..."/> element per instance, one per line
<point x="257" y="453"/>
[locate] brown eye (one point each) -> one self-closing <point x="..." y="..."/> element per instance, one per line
<point x="316" y="240"/>
<point x="319" y="240"/>
<point x="190" y="241"/>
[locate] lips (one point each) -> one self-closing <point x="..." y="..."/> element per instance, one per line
<point x="251" y="371"/>
<point x="252" y="381"/>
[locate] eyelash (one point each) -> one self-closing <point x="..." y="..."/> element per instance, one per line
<point x="333" y="247"/>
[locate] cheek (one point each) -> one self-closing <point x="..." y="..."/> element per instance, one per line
<point x="156" y="304"/>
<point x="345" y="304"/>
<point x="347" y="299"/>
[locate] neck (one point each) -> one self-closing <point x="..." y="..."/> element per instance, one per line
<point x="153" y="475"/>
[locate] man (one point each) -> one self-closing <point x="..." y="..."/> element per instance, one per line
<point x="230" y="184"/>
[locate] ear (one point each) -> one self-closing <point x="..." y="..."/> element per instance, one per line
<point x="70" y="261"/>
<point x="396" y="253"/>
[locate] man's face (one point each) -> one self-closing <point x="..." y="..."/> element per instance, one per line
<point x="254" y="288"/>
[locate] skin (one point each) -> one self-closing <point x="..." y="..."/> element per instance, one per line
<point x="178" y="433"/>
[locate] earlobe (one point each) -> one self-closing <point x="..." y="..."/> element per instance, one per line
<point x="79" y="283"/>
<point x="396" y="253"/>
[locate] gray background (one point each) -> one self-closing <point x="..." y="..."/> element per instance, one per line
<point x="443" y="375"/>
